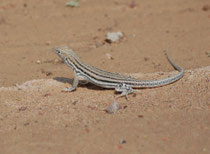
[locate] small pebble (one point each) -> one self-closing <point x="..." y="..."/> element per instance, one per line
<point x="109" y="56"/>
<point x="146" y="58"/>
<point x="160" y="73"/>
<point x="22" y="108"/>
<point x="123" y="142"/>
<point x="99" y="44"/>
<point x="48" y="73"/>
<point x="26" y="124"/>
<point x="208" y="54"/>
<point x="124" y="107"/>
<point x="74" y="102"/>
<point x="132" y="4"/>
<point x="140" y="116"/>
<point x="38" y="62"/>
<point x="46" y="95"/>
<point x="206" y="8"/>
<point x="48" y="43"/>
<point x="204" y="149"/>
<point x="113" y="36"/>
<point x="73" y="3"/>
<point x="18" y="86"/>
<point x="56" y="61"/>
<point x="114" y="107"/>
<point x="25" y="5"/>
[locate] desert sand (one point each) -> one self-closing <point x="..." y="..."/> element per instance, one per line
<point x="37" y="117"/>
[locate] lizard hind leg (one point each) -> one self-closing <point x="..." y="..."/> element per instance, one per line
<point x="124" y="89"/>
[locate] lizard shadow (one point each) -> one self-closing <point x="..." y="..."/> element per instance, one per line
<point x="70" y="81"/>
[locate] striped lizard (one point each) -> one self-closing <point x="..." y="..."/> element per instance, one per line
<point x="121" y="83"/>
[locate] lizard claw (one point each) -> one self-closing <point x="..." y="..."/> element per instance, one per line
<point x="68" y="89"/>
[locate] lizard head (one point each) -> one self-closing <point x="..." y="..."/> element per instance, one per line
<point x="67" y="55"/>
<point x="62" y="52"/>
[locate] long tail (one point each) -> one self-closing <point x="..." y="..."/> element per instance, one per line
<point x="180" y="69"/>
<point x="165" y="81"/>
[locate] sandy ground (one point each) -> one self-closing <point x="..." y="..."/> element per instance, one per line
<point x="36" y="117"/>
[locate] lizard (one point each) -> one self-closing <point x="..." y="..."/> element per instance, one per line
<point x="85" y="73"/>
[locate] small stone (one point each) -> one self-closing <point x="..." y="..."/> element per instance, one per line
<point x="124" y="107"/>
<point x="99" y="44"/>
<point x="74" y="103"/>
<point x="146" y="58"/>
<point x="204" y="149"/>
<point x="123" y="142"/>
<point x="48" y="73"/>
<point x="113" y="36"/>
<point x="73" y="3"/>
<point x="109" y="56"/>
<point x="160" y="73"/>
<point x="208" y="54"/>
<point x="140" y="116"/>
<point x="26" y="124"/>
<point x="38" y="62"/>
<point x="46" y="95"/>
<point x="132" y="4"/>
<point x="167" y="31"/>
<point x="114" y="107"/>
<point x="206" y="8"/>
<point x="56" y="61"/>
<point x="22" y="108"/>
<point x="25" y="5"/>
<point x="48" y="43"/>
<point x="18" y="86"/>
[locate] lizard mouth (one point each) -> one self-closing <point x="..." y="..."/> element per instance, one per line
<point x="56" y="51"/>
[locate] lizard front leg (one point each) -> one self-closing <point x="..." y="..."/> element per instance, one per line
<point x="77" y="78"/>
<point x="74" y="86"/>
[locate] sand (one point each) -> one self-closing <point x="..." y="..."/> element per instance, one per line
<point x="36" y="117"/>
